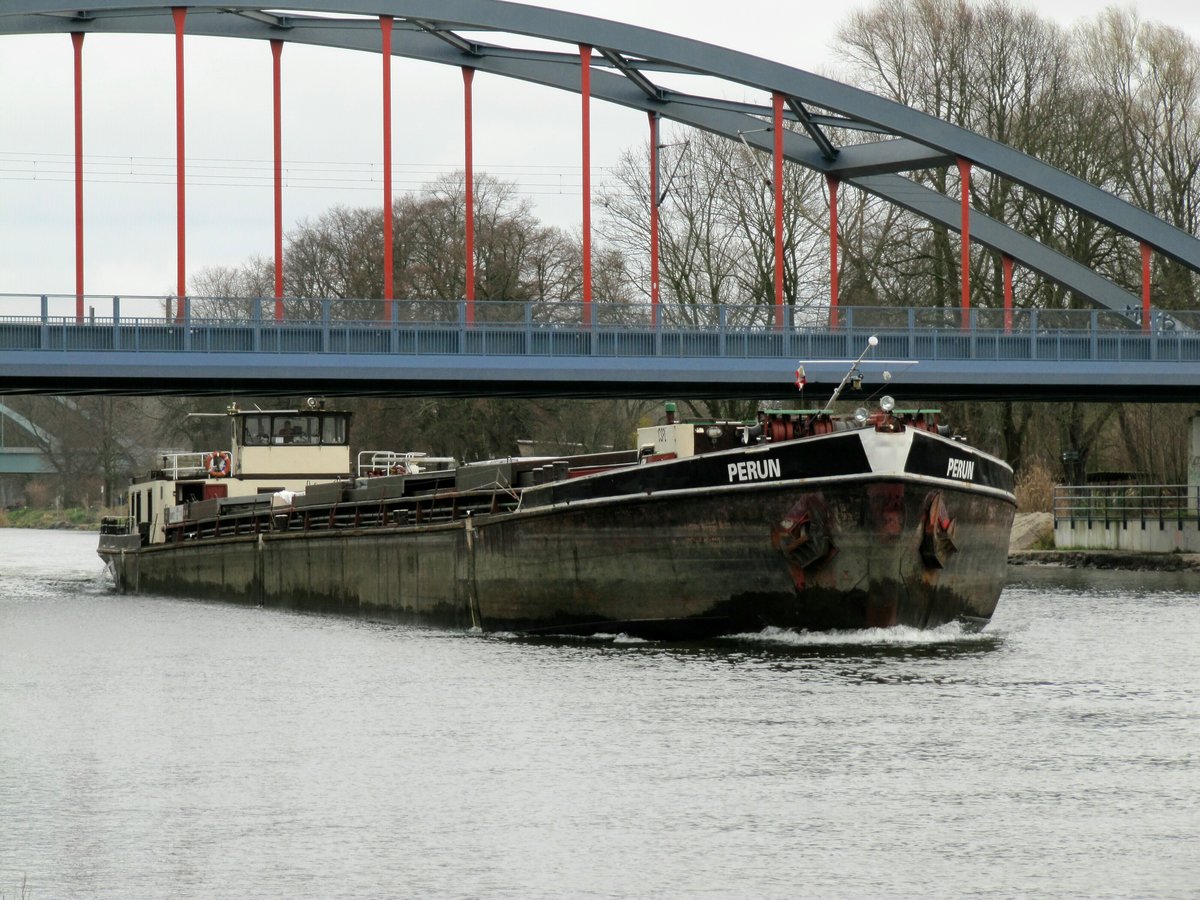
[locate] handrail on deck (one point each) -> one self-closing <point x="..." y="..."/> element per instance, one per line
<point x="116" y="525"/>
<point x="186" y="464"/>
<point x="392" y="462"/>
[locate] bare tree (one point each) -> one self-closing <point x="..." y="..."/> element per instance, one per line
<point x="1155" y="446"/>
<point x="219" y="291"/>
<point x="698" y="257"/>
<point x="716" y="227"/>
<point x="1114" y="104"/>
<point x="92" y="443"/>
<point x="337" y="255"/>
<point x="1146" y="79"/>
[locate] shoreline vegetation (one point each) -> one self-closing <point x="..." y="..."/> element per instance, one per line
<point x="66" y="519"/>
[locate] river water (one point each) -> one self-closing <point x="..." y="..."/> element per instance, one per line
<point x="154" y="747"/>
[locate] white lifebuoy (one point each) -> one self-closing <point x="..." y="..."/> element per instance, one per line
<point x="219" y="464"/>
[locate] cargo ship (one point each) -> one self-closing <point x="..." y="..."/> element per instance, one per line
<point x="799" y="520"/>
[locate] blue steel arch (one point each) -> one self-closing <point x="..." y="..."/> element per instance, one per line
<point x="429" y="30"/>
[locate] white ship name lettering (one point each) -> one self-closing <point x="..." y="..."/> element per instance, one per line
<point x="754" y="470"/>
<point x="961" y="468"/>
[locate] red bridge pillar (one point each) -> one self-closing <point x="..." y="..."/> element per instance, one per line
<point x="77" y="44"/>
<point x="469" y="191"/>
<point x="179" y="14"/>
<point x="833" y="183"/>
<point x="385" y="24"/>
<point x="277" y="133"/>
<point x="654" y="121"/>
<point x="1007" y="262"/>
<point x="585" y="89"/>
<point x="964" y="172"/>
<point x="777" y="107"/>
<point x="1145" y="286"/>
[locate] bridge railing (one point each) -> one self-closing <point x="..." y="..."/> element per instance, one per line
<point x="514" y="312"/>
<point x="157" y="324"/>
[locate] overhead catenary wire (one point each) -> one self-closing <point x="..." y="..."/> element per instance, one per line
<point x="417" y="177"/>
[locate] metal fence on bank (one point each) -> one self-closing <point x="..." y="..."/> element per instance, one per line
<point x="1161" y="503"/>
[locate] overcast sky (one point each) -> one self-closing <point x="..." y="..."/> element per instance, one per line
<point x="331" y="135"/>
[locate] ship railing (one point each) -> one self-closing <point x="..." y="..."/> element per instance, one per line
<point x="1125" y="503"/>
<point x="116" y="525"/>
<point x="391" y="462"/>
<point x="184" y="465"/>
<point x="257" y="518"/>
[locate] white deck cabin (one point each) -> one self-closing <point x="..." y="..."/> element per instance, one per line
<point x="270" y="451"/>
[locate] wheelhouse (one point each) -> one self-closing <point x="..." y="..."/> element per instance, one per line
<point x="270" y="451"/>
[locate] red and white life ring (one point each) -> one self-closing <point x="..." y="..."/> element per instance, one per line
<point x="219" y="464"/>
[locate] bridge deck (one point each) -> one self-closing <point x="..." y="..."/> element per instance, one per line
<point x="1029" y="354"/>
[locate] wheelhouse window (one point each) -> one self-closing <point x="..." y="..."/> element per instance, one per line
<point x="333" y="430"/>
<point x="256" y="430"/>
<point x="295" y="428"/>
<point x="299" y="430"/>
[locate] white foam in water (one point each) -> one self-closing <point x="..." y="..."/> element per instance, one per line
<point x="898" y="635"/>
<point x="604" y="637"/>
<point x="895" y="636"/>
<point x="596" y="637"/>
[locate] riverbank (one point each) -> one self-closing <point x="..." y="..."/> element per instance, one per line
<point x="1107" y="559"/>
<point x="71" y="519"/>
<point x="1032" y="544"/>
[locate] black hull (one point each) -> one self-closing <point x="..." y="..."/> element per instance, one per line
<point x="714" y="565"/>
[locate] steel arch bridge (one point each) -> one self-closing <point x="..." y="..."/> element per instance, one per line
<point x="631" y="67"/>
<point x="623" y="71"/>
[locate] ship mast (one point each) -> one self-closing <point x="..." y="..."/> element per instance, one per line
<point x="872" y="342"/>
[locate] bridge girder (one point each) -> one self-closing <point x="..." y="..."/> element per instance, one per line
<point x="428" y="30"/>
<point x="589" y="377"/>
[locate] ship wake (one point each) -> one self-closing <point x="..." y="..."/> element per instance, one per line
<point x="952" y="633"/>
